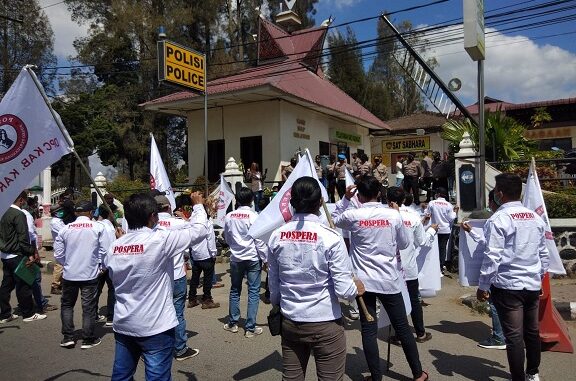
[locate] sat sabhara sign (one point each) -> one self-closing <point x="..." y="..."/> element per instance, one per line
<point x="181" y="66"/>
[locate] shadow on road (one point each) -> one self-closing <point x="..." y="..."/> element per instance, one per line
<point x="190" y="376"/>
<point x="469" y="367"/>
<point x="272" y="361"/>
<point x="8" y="326"/>
<point x="82" y="371"/>
<point x="473" y="330"/>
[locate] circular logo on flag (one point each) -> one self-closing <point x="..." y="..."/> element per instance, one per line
<point x="13" y="137"/>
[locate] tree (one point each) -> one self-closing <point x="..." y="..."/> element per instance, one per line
<point x="28" y="42"/>
<point x="505" y="139"/>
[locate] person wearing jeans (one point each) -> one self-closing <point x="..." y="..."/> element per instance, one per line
<point x="377" y="233"/>
<point x="245" y="255"/>
<point x="87" y="290"/>
<point x="141" y="266"/>
<point x="515" y="261"/>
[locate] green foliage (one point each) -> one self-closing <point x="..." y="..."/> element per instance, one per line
<point x="122" y="187"/>
<point x="541" y="116"/>
<point x="504" y="139"/>
<point x="560" y="205"/>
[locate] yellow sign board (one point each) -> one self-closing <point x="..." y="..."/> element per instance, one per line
<point x="415" y="144"/>
<point x="181" y="66"/>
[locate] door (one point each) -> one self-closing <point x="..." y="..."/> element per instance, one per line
<point x="216" y="159"/>
<point x="251" y="151"/>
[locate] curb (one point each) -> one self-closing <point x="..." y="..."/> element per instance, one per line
<point x="566" y="309"/>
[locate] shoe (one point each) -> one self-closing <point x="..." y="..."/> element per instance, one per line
<point x="109" y="323"/>
<point x="34" y="318"/>
<point x="101" y="319"/>
<point x="423" y="377"/>
<point x="189" y="353"/>
<point x="231" y="328"/>
<point x="208" y="304"/>
<point x="217" y="285"/>
<point x="9" y="318"/>
<point x="87" y="344"/>
<point x="532" y="377"/>
<point x="354" y="315"/>
<point x="56" y="291"/>
<point x="49" y="307"/>
<point x="492" y="343"/>
<point x="257" y="331"/>
<point x="427" y="336"/>
<point x="67" y="343"/>
<point x="395" y="340"/>
<point x="192" y="303"/>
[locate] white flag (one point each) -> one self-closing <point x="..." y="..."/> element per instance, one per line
<point x="158" y="177"/>
<point x="30" y="139"/>
<point x="533" y="200"/>
<point x="225" y="197"/>
<point x="279" y="211"/>
<point x="350" y="181"/>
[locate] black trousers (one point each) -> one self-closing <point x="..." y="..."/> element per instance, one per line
<point x="416" y="314"/>
<point x="207" y="267"/>
<point x="87" y="290"/>
<point x="410" y="184"/>
<point x="23" y="290"/>
<point x="518" y="313"/>
<point x="442" y="247"/>
<point x="428" y="186"/>
<point x="111" y="300"/>
<point x="341" y="188"/>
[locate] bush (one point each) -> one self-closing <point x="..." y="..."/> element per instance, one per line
<point x="560" y="205"/>
<point x="122" y="187"/>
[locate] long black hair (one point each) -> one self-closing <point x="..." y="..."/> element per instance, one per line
<point x="306" y="195"/>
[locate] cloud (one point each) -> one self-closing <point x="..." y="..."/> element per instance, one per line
<point x="65" y="30"/>
<point x="516" y="69"/>
<point x="338" y="4"/>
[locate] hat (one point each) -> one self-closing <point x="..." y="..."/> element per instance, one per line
<point x="162" y="201"/>
<point x="341" y="156"/>
<point x="84" y="206"/>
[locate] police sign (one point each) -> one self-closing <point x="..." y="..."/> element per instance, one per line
<point x="181" y="66"/>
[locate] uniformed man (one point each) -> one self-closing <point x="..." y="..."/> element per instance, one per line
<point x="364" y="167"/>
<point x="426" y="163"/>
<point x="80" y="248"/>
<point x="319" y="170"/>
<point x="141" y="266"/>
<point x="380" y="172"/>
<point x="339" y="170"/>
<point x="377" y="232"/>
<point x="412" y="174"/>
<point x="515" y="261"/>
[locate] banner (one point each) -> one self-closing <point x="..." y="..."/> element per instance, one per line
<point x="471" y="254"/>
<point x="158" y="176"/>
<point x="279" y="211"/>
<point x="225" y="197"/>
<point x="427" y="259"/>
<point x="30" y="139"/>
<point x="533" y="200"/>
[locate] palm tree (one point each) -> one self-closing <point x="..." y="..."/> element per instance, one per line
<point x="505" y="139"/>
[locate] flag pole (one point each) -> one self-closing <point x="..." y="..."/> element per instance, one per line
<point x="68" y="139"/>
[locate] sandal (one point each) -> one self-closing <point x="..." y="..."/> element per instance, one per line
<point x="425" y="379"/>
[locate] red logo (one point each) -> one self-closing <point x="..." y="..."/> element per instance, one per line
<point x="152" y="182"/>
<point x="285" y="205"/>
<point x="13" y="137"/>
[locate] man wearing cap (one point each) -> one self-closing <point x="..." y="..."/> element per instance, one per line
<point x="80" y="248"/>
<point x="380" y="172"/>
<point x="412" y="174"/>
<point x="340" y="174"/>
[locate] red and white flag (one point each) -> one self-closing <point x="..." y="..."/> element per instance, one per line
<point x="158" y="176"/>
<point x="534" y="200"/>
<point x="32" y="136"/>
<point x="279" y="211"/>
<point x="225" y="197"/>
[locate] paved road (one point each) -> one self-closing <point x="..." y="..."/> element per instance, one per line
<point x="30" y="351"/>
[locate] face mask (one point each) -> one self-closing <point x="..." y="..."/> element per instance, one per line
<point x="497" y="200"/>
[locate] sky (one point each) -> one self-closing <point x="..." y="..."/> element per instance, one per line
<point x="521" y="66"/>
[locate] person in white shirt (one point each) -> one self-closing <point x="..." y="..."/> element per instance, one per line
<point x="168" y="222"/>
<point x="246" y="256"/>
<point x="418" y="237"/>
<point x="203" y="256"/>
<point x="105" y="218"/>
<point x="63" y="215"/>
<point x="309" y="269"/>
<point x="377" y="232"/>
<point x="441" y="212"/>
<point x="399" y="171"/>
<point x="515" y="261"/>
<point x="80" y="247"/>
<point x="141" y="266"/>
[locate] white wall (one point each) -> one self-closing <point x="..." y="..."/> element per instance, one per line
<point x="276" y="121"/>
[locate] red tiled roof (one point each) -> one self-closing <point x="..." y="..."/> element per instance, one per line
<point x="426" y="120"/>
<point x="555" y="102"/>
<point x="297" y="75"/>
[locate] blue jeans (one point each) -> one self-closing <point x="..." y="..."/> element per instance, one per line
<point x="39" y="298"/>
<point x="399" y="181"/>
<point x="156" y="350"/>
<point x="496" y="326"/>
<point x="87" y="290"/>
<point x="179" y="299"/>
<point x="237" y="271"/>
<point x="257" y="197"/>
